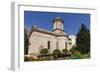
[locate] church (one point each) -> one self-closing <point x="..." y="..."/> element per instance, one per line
<point x="40" y="38"/>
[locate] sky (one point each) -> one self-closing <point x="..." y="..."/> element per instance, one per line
<point x="72" y="21"/>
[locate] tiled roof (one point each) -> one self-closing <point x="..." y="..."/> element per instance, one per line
<point x="48" y="32"/>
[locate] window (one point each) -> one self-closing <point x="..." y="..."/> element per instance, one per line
<point x="48" y="44"/>
<point x="57" y="45"/>
<point x="65" y="45"/>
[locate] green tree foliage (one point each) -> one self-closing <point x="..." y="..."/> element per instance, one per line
<point x="26" y="39"/>
<point x="56" y="53"/>
<point x="83" y="40"/>
<point x="75" y="53"/>
<point x="73" y="50"/>
<point x="64" y="51"/>
<point x="44" y="51"/>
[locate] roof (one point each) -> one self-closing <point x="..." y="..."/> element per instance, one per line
<point x="47" y="32"/>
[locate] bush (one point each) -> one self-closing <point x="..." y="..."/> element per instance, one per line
<point x="28" y="59"/>
<point x="75" y="54"/>
<point x="44" y="51"/>
<point x="86" y="56"/>
<point x="64" y="51"/>
<point x="76" y="57"/>
<point x="56" y="53"/>
<point x="73" y="50"/>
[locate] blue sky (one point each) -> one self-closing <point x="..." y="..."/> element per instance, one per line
<point x="72" y="21"/>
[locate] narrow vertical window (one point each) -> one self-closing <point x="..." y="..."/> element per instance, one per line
<point x="57" y="45"/>
<point x="48" y="44"/>
<point x="65" y="45"/>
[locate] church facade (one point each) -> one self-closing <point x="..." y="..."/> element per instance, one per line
<point x="57" y="39"/>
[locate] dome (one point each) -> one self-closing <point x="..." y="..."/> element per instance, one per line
<point x="58" y="19"/>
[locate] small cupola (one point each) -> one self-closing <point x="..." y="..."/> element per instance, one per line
<point x="58" y="24"/>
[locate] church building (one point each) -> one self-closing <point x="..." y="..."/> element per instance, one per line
<point x="40" y="38"/>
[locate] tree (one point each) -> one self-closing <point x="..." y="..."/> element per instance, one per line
<point x="26" y="39"/>
<point x="83" y="40"/>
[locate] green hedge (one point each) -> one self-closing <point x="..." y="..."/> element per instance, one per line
<point x="65" y="51"/>
<point x="29" y="58"/>
<point x="44" y="51"/>
<point x="56" y="53"/>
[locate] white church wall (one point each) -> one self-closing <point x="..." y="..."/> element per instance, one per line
<point x="38" y="39"/>
<point x="62" y="41"/>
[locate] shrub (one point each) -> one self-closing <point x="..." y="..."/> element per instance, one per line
<point x="73" y="50"/>
<point x="75" y="57"/>
<point x="76" y="54"/>
<point x="44" y="51"/>
<point x="29" y="58"/>
<point x="64" y="51"/>
<point x="56" y="53"/>
<point x="85" y="56"/>
<point x="26" y="58"/>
